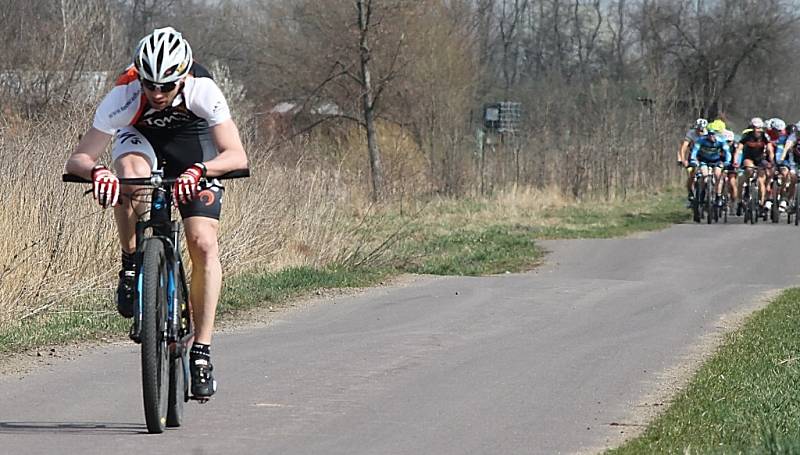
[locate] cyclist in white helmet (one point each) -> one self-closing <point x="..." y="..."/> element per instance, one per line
<point x="776" y="132"/>
<point x="756" y="154"/>
<point x="691" y="136"/>
<point x="166" y="111"/>
<point x="791" y="157"/>
<point x="731" y="169"/>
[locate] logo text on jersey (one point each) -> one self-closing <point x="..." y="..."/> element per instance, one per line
<point x="126" y="105"/>
<point x="124" y="137"/>
<point x="173" y="119"/>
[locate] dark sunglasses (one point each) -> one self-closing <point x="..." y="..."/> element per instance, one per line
<point x="152" y="86"/>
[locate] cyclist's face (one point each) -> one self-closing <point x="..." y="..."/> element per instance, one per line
<point x="160" y="100"/>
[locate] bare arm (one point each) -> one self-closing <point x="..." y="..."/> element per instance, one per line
<point x="231" y="151"/>
<point x="682" y="151"/>
<point x="738" y="152"/>
<point x="85" y="156"/>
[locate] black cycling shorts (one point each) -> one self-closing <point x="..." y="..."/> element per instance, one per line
<point x="175" y="151"/>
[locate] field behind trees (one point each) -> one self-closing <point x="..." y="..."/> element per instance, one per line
<point x="354" y="108"/>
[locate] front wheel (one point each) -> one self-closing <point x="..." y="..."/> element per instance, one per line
<point x="696" y="214"/>
<point x="755" y="202"/>
<point x="710" y="205"/>
<point x="155" y="352"/>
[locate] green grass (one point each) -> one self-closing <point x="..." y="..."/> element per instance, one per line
<point x="468" y="238"/>
<point x="84" y="321"/>
<point x="251" y="290"/>
<point x="593" y="221"/>
<point x="746" y="399"/>
<point x="96" y="318"/>
<point x="496" y="249"/>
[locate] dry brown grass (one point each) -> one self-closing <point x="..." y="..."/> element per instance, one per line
<point x="58" y="244"/>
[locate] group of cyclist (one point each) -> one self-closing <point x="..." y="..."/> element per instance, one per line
<point x="769" y="148"/>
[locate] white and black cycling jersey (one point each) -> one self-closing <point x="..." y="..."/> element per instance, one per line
<point x="172" y="138"/>
<point x="199" y="104"/>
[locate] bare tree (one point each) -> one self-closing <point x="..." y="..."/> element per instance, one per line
<point x="369" y="96"/>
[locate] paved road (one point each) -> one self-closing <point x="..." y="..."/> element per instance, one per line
<point x="540" y="362"/>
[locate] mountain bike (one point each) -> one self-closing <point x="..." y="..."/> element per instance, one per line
<point x="775" y="196"/>
<point x="699" y="191"/>
<point x="162" y="321"/>
<point x="704" y="205"/>
<point x="750" y="196"/>
<point x="794" y="209"/>
<point x="712" y="210"/>
<point x="726" y="200"/>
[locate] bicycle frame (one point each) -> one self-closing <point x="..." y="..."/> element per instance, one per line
<point x="164" y="229"/>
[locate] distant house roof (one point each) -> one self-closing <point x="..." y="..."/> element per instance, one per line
<point x="91" y="84"/>
<point x="293" y="107"/>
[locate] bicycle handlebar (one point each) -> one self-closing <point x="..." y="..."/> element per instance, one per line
<point x="155" y="179"/>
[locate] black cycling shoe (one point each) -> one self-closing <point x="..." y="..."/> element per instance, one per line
<point x="203" y="383"/>
<point x="125" y="293"/>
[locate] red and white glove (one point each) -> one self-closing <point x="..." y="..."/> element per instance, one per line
<point x="105" y="186"/>
<point x="186" y="186"/>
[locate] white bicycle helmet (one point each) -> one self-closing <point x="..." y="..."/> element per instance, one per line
<point x="163" y="56"/>
<point x="756" y="122"/>
<point x="700" y="124"/>
<point x="778" y="124"/>
<point x="729" y="136"/>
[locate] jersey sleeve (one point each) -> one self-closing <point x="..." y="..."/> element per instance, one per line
<point x="695" y="149"/>
<point x="117" y="109"/>
<point x="208" y="102"/>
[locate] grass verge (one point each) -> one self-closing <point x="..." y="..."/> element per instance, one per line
<point x="94" y="318"/>
<point x="449" y="237"/>
<point x="745" y="399"/>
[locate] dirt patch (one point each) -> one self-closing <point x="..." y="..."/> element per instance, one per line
<point x="669" y="383"/>
<point x="24" y="363"/>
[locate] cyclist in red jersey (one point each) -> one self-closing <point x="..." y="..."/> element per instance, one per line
<point x="166" y="110"/>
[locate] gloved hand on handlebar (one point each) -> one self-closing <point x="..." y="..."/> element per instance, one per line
<point x="105" y="186"/>
<point x="186" y="186"/>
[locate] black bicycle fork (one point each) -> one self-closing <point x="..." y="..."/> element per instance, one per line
<point x="178" y="330"/>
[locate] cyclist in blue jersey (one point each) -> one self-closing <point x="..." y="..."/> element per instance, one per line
<point x="711" y="151"/>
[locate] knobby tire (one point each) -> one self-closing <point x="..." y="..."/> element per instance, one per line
<point x="155" y="352"/>
<point x="796" y="203"/>
<point x="709" y="198"/>
<point x="696" y="214"/>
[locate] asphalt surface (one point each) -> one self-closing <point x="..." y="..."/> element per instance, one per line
<point x="542" y="362"/>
